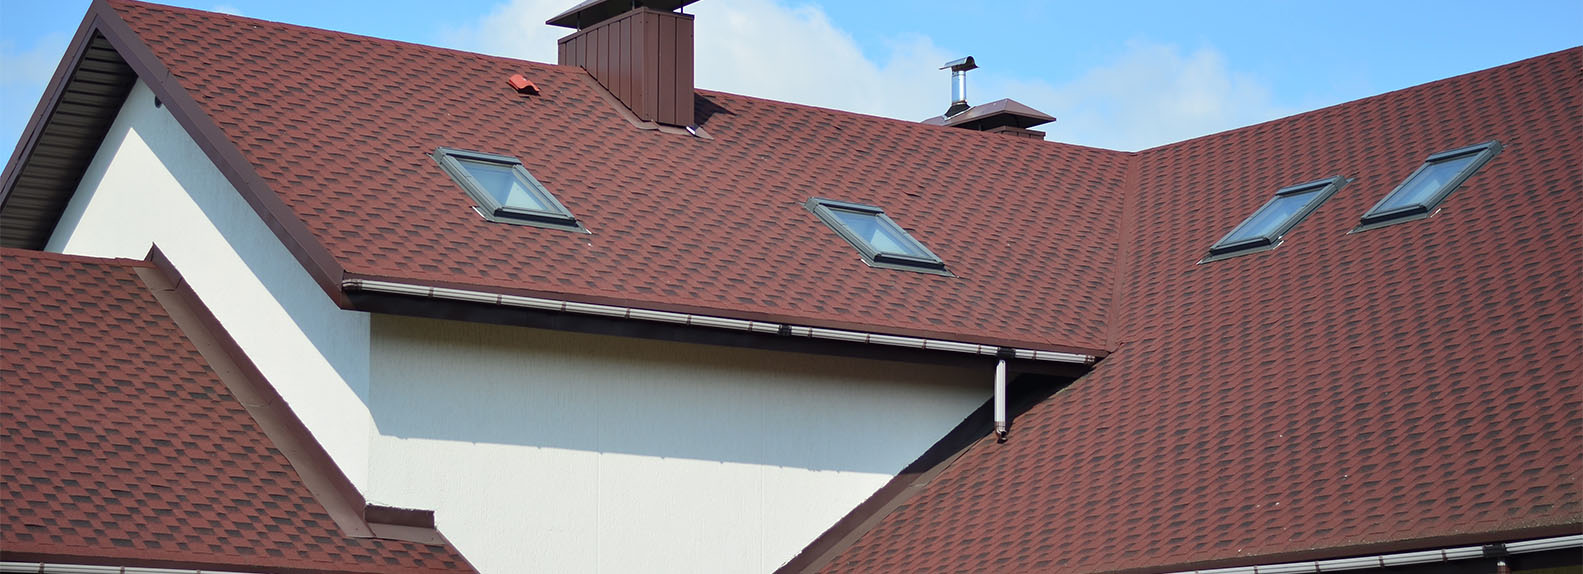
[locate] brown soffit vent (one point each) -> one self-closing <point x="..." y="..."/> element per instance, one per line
<point x="65" y="134"/>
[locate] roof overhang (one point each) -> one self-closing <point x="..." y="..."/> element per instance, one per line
<point x="61" y="137"/>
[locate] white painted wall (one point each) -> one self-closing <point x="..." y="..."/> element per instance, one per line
<point x="544" y="451"/>
<point x="150" y="184"/>
<point x="540" y="451"/>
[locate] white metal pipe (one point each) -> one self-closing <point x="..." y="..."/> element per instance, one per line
<point x="705" y="321"/>
<point x="1000" y="398"/>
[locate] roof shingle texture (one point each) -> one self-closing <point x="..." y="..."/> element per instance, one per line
<point x="1415" y="381"/>
<point x="121" y="444"/>
<point x="341" y="127"/>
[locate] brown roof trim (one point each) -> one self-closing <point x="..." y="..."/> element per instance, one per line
<point x="103" y="19"/>
<point x="351" y="277"/>
<point x="215" y="567"/>
<point x="1368" y="549"/>
<point x="318" y="472"/>
<point x="975" y="431"/>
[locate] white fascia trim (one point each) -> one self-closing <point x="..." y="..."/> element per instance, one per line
<point x="1401" y="559"/>
<point x="45" y="568"/>
<point x="764" y="327"/>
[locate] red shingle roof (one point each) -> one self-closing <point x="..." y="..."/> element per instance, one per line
<point x="1386" y="388"/>
<point x="341" y="127"/>
<point x="123" y="447"/>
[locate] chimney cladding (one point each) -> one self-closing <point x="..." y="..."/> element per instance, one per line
<point x="642" y="51"/>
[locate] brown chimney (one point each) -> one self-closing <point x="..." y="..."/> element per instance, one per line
<point x="640" y="50"/>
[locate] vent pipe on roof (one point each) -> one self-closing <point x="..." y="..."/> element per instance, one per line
<point x="959" y="70"/>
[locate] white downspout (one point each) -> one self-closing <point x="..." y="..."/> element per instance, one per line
<point x="1000" y="399"/>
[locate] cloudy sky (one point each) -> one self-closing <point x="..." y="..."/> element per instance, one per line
<point x="1117" y="75"/>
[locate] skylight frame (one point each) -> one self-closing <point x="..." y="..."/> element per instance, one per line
<point x="557" y="217"/>
<point x="1232" y="246"/>
<point x="1377" y="217"/>
<point x="925" y="262"/>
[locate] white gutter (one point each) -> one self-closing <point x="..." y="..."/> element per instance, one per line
<point x="763" y="327"/>
<point x="1402" y="559"/>
<point x="43" y="568"/>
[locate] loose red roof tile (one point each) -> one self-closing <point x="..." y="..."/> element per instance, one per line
<point x="122" y="446"/>
<point x="1385" y="388"/>
<point x="679" y="223"/>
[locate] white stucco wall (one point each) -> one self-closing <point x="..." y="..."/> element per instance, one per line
<point x="151" y="184"/>
<point x="539" y="451"/>
<point x="556" y="452"/>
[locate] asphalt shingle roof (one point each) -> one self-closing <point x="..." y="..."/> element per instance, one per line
<point x="123" y="446"/>
<point x="1398" y="386"/>
<point x="341" y="127"/>
<point x="1419" y="381"/>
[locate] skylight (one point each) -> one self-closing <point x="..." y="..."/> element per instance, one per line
<point x="1263" y="230"/>
<point x="504" y="190"/>
<point x="1429" y="185"/>
<point x="877" y="238"/>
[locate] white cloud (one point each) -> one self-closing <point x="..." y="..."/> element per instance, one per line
<point x="762" y="48"/>
<point x="1149" y="95"/>
<point x="1152" y="94"/>
<point x="227" y="9"/>
<point x="794" y="53"/>
<point x="515" y="29"/>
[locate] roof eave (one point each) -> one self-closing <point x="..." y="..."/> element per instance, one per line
<point x="103" y="20"/>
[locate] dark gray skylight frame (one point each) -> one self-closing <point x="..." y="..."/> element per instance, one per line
<point x="1245" y="238"/>
<point x="1385" y="213"/>
<point x="553" y="215"/>
<point x="913" y="256"/>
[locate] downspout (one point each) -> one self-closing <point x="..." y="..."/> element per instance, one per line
<point x="1002" y="424"/>
<point x="1000" y="400"/>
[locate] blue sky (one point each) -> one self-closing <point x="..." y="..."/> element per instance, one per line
<point x="1120" y="75"/>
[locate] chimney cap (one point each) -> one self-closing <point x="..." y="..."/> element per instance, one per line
<point x="961" y="65"/>
<point x="593" y="12"/>
<point x="984" y="117"/>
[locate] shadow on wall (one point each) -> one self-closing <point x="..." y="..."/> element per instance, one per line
<point x="128" y="203"/>
<point x="476" y="383"/>
<point x="337" y="337"/>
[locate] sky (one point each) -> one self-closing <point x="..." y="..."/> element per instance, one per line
<point x="1118" y="75"/>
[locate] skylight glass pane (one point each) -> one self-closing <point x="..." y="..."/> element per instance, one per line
<point x="502" y="182"/>
<point x="879" y="240"/>
<point x="1264" y="229"/>
<point x="1422" y="189"/>
<point x="1269" y="220"/>
<point x="882" y="237"/>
